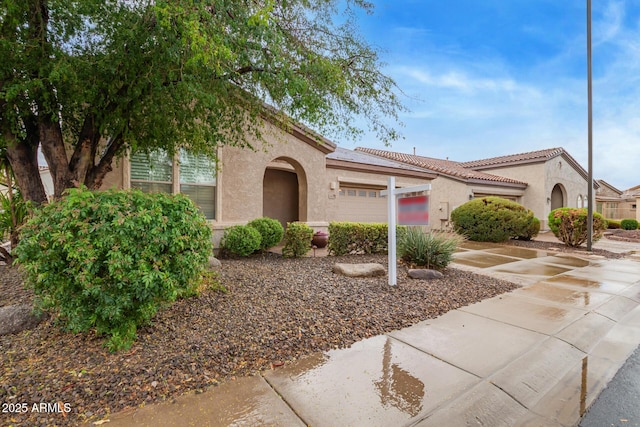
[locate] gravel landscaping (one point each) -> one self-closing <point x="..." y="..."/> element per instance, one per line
<point x="275" y="311"/>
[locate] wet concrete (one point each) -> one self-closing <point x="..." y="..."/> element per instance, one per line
<point x="573" y="297"/>
<point x="379" y="381"/>
<point x="481" y="260"/>
<point x="537" y="356"/>
<point x="247" y="401"/>
<point x="514" y="251"/>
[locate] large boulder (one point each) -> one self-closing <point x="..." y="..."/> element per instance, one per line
<point x="214" y="263"/>
<point x="16" y="318"/>
<point x="424" y="274"/>
<point x="359" y="270"/>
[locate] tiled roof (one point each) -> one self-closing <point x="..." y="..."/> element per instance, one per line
<point x="369" y="159"/>
<point x="604" y="183"/>
<point x="529" y="157"/>
<point x="444" y="167"/>
<point x="538" y="156"/>
<point x="632" y="192"/>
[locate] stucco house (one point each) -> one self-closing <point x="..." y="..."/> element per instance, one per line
<point x="301" y="176"/>
<point x="615" y="204"/>
<point x="540" y="180"/>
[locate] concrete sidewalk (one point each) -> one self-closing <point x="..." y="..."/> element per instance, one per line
<point x="538" y="356"/>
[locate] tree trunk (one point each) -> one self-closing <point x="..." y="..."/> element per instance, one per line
<point x="50" y="135"/>
<point x="23" y="158"/>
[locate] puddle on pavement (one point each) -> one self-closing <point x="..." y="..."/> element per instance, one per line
<point x="519" y="252"/>
<point x="481" y="259"/>
<point x="605" y="286"/>
<point x="575" y="298"/>
<point x="569" y="261"/>
<point x="605" y="274"/>
<point x="247" y="401"/>
<point x="379" y="379"/>
<point x="554" y="313"/>
<point x="397" y="387"/>
<point x="537" y="269"/>
<point x="469" y="244"/>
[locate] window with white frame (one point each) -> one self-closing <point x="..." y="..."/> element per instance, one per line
<point x="153" y="172"/>
<point x="198" y="181"/>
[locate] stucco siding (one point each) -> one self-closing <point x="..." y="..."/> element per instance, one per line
<point x="446" y="195"/>
<point x="541" y="178"/>
<point x="241" y="174"/>
<point x="341" y="178"/>
<point x="535" y="195"/>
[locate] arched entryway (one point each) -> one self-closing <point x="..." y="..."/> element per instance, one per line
<point x="557" y="197"/>
<point x="284" y="191"/>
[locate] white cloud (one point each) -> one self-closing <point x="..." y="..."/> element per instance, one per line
<point x="466" y="104"/>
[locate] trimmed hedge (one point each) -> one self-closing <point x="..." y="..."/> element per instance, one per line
<point x="493" y="219"/>
<point x="629" y="224"/>
<point x="613" y="224"/>
<point x="569" y="225"/>
<point x="108" y="260"/>
<point x="531" y="231"/>
<point x="241" y="240"/>
<point x="270" y="230"/>
<point x="297" y="240"/>
<point x="359" y="237"/>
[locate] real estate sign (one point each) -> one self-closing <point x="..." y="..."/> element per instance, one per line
<point x="413" y="210"/>
<point x="392" y="192"/>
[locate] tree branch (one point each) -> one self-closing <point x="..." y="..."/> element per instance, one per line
<point x="96" y="174"/>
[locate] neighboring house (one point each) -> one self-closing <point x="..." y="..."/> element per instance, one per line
<point x="47" y="181"/>
<point x="555" y="179"/>
<point x="540" y="180"/>
<point x="454" y="184"/>
<point x="615" y="204"/>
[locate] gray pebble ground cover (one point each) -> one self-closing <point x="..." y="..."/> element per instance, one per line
<point x="276" y="310"/>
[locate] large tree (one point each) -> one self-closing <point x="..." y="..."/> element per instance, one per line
<point x="88" y="79"/>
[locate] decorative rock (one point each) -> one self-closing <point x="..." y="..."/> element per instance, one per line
<point x="424" y="274"/>
<point x="214" y="263"/>
<point x="359" y="270"/>
<point x="16" y="318"/>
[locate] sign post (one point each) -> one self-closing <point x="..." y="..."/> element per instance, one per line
<point x="414" y="211"/>
<point x="391" y="231"/>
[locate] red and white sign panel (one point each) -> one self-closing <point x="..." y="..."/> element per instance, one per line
<point x="413" y="210"/>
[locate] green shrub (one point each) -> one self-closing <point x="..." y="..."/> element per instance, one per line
<point x="531" y="231"/>
<point x="270" y="230"/>
<point x="629" y="224"/>
<point x="492" y="219"/>
<point x="241" y="240"/>
<point x="431" y="249"/>
<point x="297" y="240"/>
<point x="613" y="224"/>
<point x="569" y="225"/>
<point x="360" y="237"/>
<point x="110" y="259"/>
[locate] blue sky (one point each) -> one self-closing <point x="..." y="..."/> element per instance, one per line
<point x="486" y="78"/>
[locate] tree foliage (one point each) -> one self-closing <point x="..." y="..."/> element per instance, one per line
<point x="90" y="79"/>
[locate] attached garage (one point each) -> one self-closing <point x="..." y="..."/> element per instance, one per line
<point x="361" y="204"/>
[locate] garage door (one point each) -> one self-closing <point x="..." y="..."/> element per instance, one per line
<point x="361" y="205"/>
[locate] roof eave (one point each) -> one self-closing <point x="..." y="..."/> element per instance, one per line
<point x="386" y="170"/>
